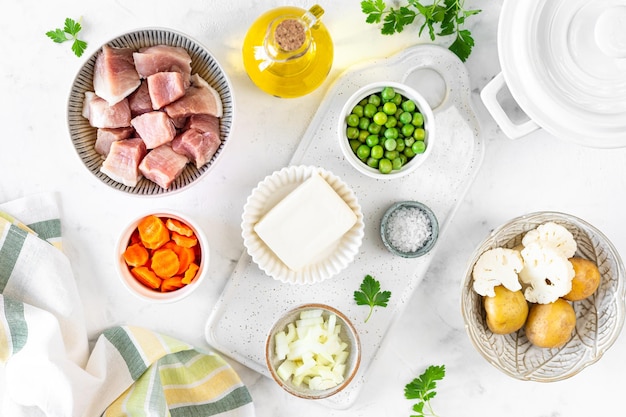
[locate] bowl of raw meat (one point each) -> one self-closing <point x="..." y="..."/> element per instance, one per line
<point x="150" y="112"/>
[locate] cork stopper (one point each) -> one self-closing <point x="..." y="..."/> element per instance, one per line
<point x="290" y="35"/>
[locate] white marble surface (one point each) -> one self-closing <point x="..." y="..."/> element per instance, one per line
<point x="537" y="172"/>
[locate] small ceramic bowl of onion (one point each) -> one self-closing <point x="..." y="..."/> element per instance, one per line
<point x="313" y="351"/>
<point x="409" y="229"/>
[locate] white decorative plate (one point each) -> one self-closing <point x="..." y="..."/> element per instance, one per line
<point x="272" y="190"/>
<point x="599" y="318"/>
<point x="83" y="135"/>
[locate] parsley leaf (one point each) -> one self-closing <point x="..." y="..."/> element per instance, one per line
<point x="423" y="388"/>
<point x="69" y="32"/>
<point x="441" y="17"/>
<point x="370" y="295"/>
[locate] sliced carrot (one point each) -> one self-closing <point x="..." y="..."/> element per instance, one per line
<point x="165" y="263"/>
<point x="136" y="255"/>
<point x="179" y="227"/>
<point x="190" y="273"/>
<point x="146" y="277"/>
<point x="171" y="284"/>
<point x="134" y="237"/>
<point x="186" y="256"/>
<point x="153" y="232"/>
<point x="184" y="241"/>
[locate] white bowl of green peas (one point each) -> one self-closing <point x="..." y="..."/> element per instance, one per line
<point x="386" y="130"/>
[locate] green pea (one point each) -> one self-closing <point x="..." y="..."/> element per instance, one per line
<point x="408" y="141"/>
<point x="374" y="99"/>
<point x="354" y="144"/>
<point x="418" y="147"/>
<point x="372" y="140"/>
<point x="363" y="152"/>
<point x="406" y="118"/>
<point x="364" y="122"/>
<point x="408" y="106"/>
<point x="404" y="158"/>
<point x="372" y="162"/>
<point x="385" y="166"/>
<point x="390" y="144"/>
<point x="391" y="133"/>
<point x="408" y="151"/>
<point x="369" y="110"/>
<point x="358" y="110"/>
<point x="374" y="128"/>
<point x="352" y="132"/>
<point x="388" y="93"/>
<point x="390" y="108"/>
<point x="419" y="134"/>
<point x="397" y="99"/>
<point x="391" y="155"/>
<point x="407" y="130"/>
<point x="400" y="145"/>
<point x="396" y="163"/>
<point x="377" y="151"/>
<point x="363" y="102"/>
<point x="418" y="119"/>
<point x="352" y="120"/>
<point x="380" y="118"/>
<point x="363" y="134"/>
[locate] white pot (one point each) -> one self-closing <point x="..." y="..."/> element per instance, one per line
<point x="564" y="62"/>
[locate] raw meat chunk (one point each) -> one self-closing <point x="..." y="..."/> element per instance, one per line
<point x="122" y="163"/>
<point x="198" y="147"/>
<point x="200" y="98"/>
<point x="162" y="165"/>
<point x="162" y="58"/>
<point x="114" y="74"/>
<point x="155" y="128"/>
<point x="139" y="101"/>
<point x="103" y="115"/>
<point x="204" y="123"/>
<point x="165" y="88"/>
<point x="105" y="137"/>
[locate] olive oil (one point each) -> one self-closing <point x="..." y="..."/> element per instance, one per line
<point x="288" y="52"/>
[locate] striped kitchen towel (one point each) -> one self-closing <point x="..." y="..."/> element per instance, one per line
<point x="46" y="365"/>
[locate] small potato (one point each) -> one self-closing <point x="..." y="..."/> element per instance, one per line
<point x="586" y="279"/>
<point x="550" y="325"/>
<point x="506" y="311"/>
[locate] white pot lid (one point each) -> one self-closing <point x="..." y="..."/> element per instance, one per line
<point x="564" y="62"/>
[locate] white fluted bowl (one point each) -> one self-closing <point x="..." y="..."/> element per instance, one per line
<point x="268" y="193"/>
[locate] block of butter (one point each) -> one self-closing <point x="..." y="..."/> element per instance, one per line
<point x="305" y="223"/>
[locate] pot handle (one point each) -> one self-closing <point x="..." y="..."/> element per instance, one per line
<point x="511" y="129"/>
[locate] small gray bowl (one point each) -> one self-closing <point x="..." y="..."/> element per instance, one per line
<point x="388" y="223"/>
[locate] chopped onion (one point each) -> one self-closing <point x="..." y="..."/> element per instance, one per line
<point x="312" y="351"/>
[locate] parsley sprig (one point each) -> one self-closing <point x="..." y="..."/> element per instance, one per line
<point x="69" y="33"/>
<point x="448" y="15"/>
<point x="370" y="295"/>
<point x="424" y="389"/>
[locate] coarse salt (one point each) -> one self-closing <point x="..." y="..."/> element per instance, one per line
<point x="408" y="229"/>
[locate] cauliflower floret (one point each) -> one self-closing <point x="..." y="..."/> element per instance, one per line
<point x="554" y="236"/>
<point x="498" y="266"/>
<point x="547" y="274"/>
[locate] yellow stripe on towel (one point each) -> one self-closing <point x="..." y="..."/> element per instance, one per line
<point x="5" y="342"/>
<point x="214" y="386"/>
<point x="153" y="346"/>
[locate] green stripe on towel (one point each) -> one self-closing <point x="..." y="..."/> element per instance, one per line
<point x="125" y="346"/>
<point x="14" y="314"/>
<point x="10" y="252"/>
<point x="235" y="399"/>
<point x="47" y="229"/>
